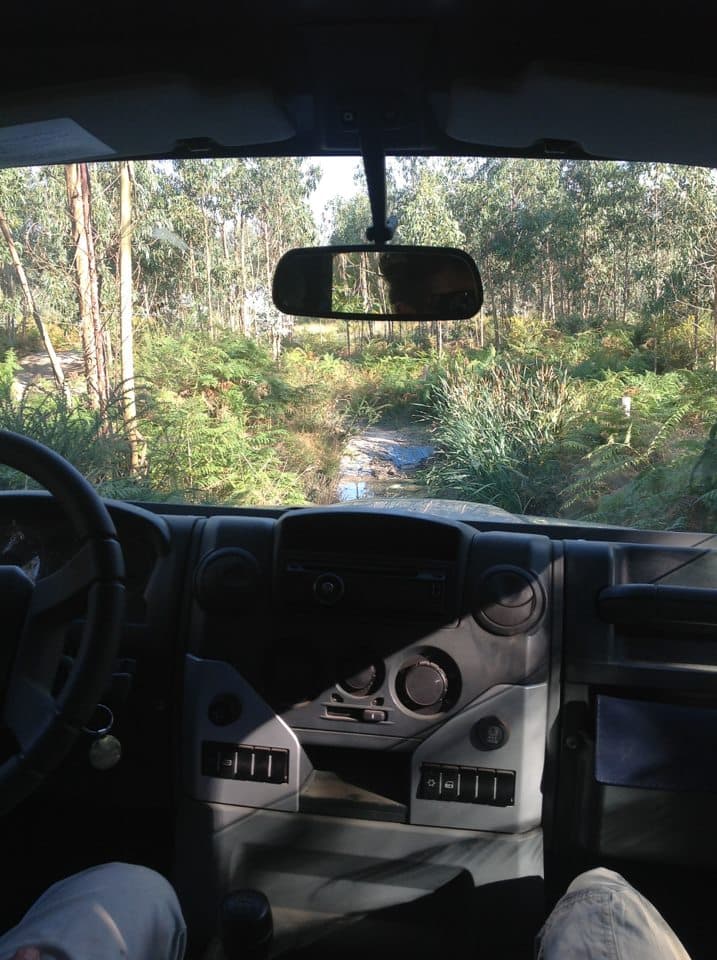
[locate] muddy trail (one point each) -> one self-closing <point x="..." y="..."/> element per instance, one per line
<point x="382" y="462"/>
<point x="379" y="462"/>
<point x="35" y="368"/>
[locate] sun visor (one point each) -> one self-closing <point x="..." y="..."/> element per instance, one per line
<point x="629" y="120"/>
<point x="48" y="141"/>
<point x="142" y="118"/>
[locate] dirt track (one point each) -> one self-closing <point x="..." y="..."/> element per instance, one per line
<point x="36" y="367"/>
<point x="380" y="462"/>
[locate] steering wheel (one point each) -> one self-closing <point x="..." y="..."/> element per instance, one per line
<point x="39" y="725"/>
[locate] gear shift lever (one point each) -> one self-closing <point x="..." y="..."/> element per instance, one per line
<point x="246" y="925"/>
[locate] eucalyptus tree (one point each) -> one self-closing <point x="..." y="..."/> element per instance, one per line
<point x="84" y="259"/>
<point x="683" y="266"/>
<point x="22" y="281"/>
<point x="424" y="214"/>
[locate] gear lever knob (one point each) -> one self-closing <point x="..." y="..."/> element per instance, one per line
<point x="246" y="925"/>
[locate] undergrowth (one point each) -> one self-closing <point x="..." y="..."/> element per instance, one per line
<point x="575" y="426"/>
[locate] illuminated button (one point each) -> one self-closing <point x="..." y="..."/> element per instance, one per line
<point x="279" y="767"/>
<point x="430" y="786"/>
<point x="227" y="762"/>
<point x="467" y="784"/>
<point x="245" y="763"/>
<point x="261" y="765"/>
<point x="505" y="787"/>
<point x="449" y="783"/>
<point x="486" y="786"/>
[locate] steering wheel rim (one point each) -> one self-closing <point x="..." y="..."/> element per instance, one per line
<point x="41" y="726"/>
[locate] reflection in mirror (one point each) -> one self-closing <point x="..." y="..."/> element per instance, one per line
<point x="422" y="283"/>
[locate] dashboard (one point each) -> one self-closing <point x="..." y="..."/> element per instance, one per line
<point x="442" y="676"/>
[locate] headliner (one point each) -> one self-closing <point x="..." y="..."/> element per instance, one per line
<point x="437" y="76"/>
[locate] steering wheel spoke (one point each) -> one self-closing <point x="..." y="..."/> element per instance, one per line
<point x="29" y="711"/>
<point x="54" y="593"/>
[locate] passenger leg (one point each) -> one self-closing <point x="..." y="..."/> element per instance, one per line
<point x="117" y="911"/>
<point x="601" y="917"/>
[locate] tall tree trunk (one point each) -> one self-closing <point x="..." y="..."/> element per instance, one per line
<point x="696" y="340"/>
<point x="208" y="264"/>
<point x="614" y="286"/>
<point x="582" y="274"/>
<point x="551" y="285"/>
<point x="101" y="335"/>
<point x="363" y="279"/>
<point x="479" y="330"/>
<point x="242" y="277"/>
<point x="57" y="370"/>
<point x="494" y="310"/>
<point x="82" y="274"/>
<point x="626" y="284"/>
<point x="714" y="314"/>
<point x="129" y="398"/>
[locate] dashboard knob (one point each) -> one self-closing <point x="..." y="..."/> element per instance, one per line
<point x="361" y="682"/>
<point x="328" y="589"/>
<point x="423" y="684"/>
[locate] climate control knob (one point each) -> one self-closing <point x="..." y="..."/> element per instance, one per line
<point x="422" y="686"/>
<point x="360" y="682"/>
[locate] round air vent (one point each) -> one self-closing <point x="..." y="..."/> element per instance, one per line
<point x="228" y="581"/>
<point x="509" y="600"/>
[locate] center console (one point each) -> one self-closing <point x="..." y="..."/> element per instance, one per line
<point x="385" y="667"/>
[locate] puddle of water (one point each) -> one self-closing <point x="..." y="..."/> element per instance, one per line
<point x="379" y="463"/>
<point x="352" y="490"/>
<point x="358" y="489"/>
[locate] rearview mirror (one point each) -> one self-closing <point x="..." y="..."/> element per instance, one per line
<point x="410" y="283"/>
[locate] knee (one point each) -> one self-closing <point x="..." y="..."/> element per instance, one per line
<point x="599" y="879"/>
<point x="138" y="887"/>
<point x="134" y="875"/>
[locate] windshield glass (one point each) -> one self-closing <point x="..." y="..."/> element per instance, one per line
<point x="139" y="340"/>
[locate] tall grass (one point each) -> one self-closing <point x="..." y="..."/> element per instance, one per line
<point x="544" y="432"/>
<point x="66" y="425"/>
<point x="500" y="435"/>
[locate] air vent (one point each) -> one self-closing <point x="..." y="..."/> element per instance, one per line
<point x="509" y="600"/>
<point x="228" y="581"/>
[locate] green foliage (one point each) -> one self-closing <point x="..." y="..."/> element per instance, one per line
<point x="499" y="435"/>
<point x="204" y="455"/>
<point x="632" y="463"/>
<point x="209" y="416"/>
<point x="599" y="286"/>
<point x="658" y="497"/>
<point x="65" y="425"/>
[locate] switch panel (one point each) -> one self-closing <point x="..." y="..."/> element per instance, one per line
<point x="232" y="761"/>
<point x="467" y="784"/>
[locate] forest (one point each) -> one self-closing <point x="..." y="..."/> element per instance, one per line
<point x="584" y="389"/>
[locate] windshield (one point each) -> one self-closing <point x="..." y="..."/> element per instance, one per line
<point x="139" y="340"/>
